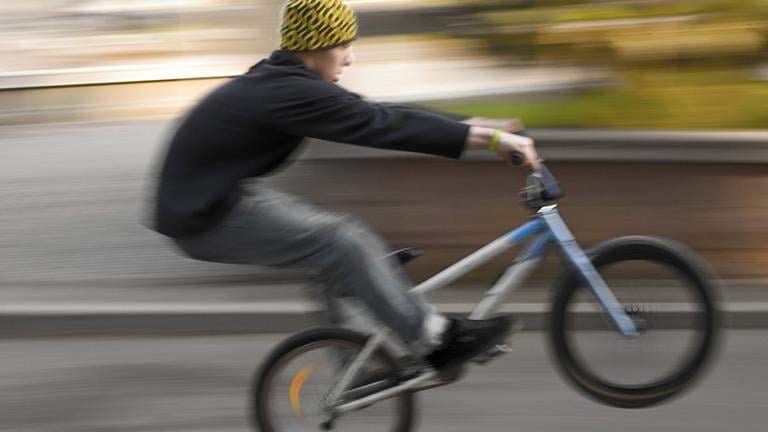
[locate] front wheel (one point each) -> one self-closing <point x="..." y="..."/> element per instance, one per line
<point x="291" y="389"/>
<point x="664" y="287"/>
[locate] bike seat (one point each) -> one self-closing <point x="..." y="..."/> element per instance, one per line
<point x="405" y="255"/>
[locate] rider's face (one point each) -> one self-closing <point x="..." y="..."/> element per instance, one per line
<point x="330" y="63"/>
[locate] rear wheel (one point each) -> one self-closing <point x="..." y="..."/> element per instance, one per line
<point x="291" y="388"/>
<point x="664" y="288"/>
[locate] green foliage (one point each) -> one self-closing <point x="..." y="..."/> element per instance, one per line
<point x="654" y="99"/>
<point x="687" y="71"/>
<point x="567" y="12"/>
<point x="597" y="32"/>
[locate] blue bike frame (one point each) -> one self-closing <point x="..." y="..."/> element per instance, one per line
<point x="547" y="229"/>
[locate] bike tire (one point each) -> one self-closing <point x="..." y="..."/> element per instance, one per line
<point x="663" y="251"/>
<point x="260" y="416"/>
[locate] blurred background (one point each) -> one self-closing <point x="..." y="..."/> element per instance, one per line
<point x="649" y="64"/>
<point x="652" y="114"/>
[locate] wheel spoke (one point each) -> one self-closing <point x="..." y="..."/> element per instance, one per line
<point x="293" y="388"/>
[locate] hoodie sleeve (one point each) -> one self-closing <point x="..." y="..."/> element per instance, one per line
<point x="318" y="109"/>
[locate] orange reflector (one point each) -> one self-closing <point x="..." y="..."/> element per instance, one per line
<point x="296" y="384"/>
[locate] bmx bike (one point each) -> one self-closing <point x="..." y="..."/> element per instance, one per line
<point x="608" y="303"/>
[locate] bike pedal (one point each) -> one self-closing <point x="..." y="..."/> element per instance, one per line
<point x="492" y="353"/>
<point x="409" y="368"/>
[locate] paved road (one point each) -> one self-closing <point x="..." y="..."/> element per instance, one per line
<point x="199" y="384"/>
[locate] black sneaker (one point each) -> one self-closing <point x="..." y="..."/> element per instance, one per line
<point x="466" y="339"/>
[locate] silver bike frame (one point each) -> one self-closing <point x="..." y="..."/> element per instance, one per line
<point x="551" y="229"/>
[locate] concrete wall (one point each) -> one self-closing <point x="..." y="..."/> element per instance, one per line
<point x="451" y="208"/>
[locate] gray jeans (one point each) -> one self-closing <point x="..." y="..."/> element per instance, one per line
<point x="339" y="252"/>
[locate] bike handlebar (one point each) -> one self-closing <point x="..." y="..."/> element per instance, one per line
<point x="550" y="188"/>
<point x="542" y="185"/>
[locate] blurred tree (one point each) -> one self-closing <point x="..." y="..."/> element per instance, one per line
<point x="680" y="63"/>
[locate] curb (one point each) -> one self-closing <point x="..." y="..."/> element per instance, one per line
<point x="42" y="320"/>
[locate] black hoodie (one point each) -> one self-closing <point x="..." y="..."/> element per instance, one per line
<point x="250" y="125"/>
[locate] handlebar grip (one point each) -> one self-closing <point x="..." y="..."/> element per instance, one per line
<point x="517" y="158"/>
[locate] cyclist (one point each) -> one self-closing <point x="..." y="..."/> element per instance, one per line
<point x="250" y="125"/>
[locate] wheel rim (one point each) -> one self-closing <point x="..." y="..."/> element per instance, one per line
<point x="665" y="356"/>
<point x="296" y="391"/>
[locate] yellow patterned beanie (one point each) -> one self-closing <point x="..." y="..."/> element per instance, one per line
<point x="314" y="24"/>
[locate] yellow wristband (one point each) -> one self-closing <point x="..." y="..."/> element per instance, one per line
<point x="495" y="140"/>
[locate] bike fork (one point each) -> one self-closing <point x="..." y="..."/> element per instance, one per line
<point x="616" y="314"/>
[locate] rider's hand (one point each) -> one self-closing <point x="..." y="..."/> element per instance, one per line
<point x="510" y="143"/>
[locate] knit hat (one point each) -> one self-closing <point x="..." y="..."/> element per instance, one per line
<point x="314" y="24"/>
